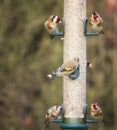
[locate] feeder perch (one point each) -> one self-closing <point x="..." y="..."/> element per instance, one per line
<point x="92" y="121"/>
<point x="52" y="35"/>
<point x="57" y="34"/>
<point x="85" y="29"/>
<point x="57" y="121"/>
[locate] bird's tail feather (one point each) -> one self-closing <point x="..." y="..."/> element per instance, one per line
<point x="52" y="75"/>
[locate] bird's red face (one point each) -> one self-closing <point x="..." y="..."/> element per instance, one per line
<point x="59" y="109"/>
<point x="95" y="105"/>
<point x="58" y="20"/>
<point x="95" y="15"/>
<point x="88" y="62"/>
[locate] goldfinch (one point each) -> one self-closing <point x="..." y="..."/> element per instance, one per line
<point x="95" y="22"/>
<point x="53" y="113"/>
<point x="96" y="112"/>
<point x="65" y="69"/>
<point x="51" y="24"/>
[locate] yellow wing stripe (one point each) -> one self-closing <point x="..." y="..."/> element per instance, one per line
<point x="68" y="69"/>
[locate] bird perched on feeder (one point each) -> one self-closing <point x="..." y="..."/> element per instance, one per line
<point x="96" y="112"/>
<point x="88" y="64"/>
<point x="53" y="113"/>
<point x="95" y="23"/>
<point x="65" y="69"/>
<point x="51" y="24"/>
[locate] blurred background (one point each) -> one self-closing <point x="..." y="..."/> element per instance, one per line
<point x="27" y="55"/>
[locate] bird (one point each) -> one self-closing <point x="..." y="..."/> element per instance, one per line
<point x="51" y="24"/>
<point x="88" y="64"/>
<point x="53" y="113"/>
<point x="95" y="22"/>
<point x="96" y="111"/>
<point x="66" y="68"/>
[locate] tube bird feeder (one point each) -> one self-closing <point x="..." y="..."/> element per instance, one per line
<point x="74" y="91"/>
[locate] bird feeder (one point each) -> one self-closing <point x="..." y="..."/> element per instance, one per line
<point x="74" y="85"/>
<point x="74" y="91"/>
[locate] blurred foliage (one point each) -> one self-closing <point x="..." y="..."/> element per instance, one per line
<point x="27" y="55"/>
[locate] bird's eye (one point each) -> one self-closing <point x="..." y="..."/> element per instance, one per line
<point x="61" y="108"/>
<point x="56" y="107"/>
<point x="48" y="113"/>
<point x="53" y="17"/>
<point x="94" y="13"/>
<point x="101" y="114"/>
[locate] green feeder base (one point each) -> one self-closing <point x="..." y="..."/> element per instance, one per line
<point x="74" y="124"/>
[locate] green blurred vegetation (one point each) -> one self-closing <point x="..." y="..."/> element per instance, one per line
<point x="27" y="55"/>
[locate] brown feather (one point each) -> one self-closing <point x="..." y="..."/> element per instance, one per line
<point x="70" y="64"/>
